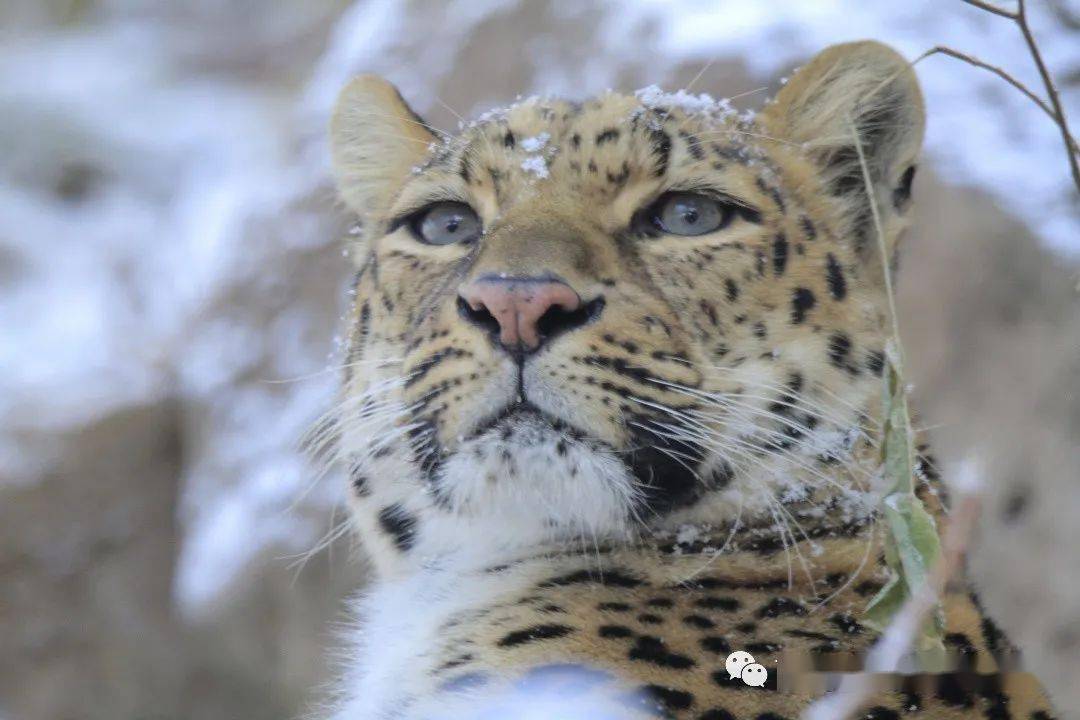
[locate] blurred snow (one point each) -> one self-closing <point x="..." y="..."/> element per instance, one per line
<point x="155" y="209"/>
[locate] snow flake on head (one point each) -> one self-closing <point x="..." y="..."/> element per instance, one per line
<point x="653" y="97"/>
<point x="536" y="165"/>
<point x="535" y="144"/>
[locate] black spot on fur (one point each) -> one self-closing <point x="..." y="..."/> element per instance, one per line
<point x="764" y="647"/>
<point x="715" y="644"/>
<point x="399" y="524"/>
<point x="962" y="645"/>
<point x="779" y="253"/>
<point x="534" y="633"/>
<point x="838" y="348"/>
<point x="711" y="602"/>
<point x="781" y="606"/>
<point x="774" y="193"/>
<point x="669" y="697"/>
<point x="621" y="177"/>
<point x="359" y="481"/>
<point x="653" y="650"/>
<point x="835" y="276"/>
<point x="809" y="635"/>
<point x="731" y="290"/>
<point x="614" y="578"/>
<point x="875" y="362"/>
<point x="575" y="141"/>
<point x="693" y="145"/>
<point x="802" y="301"/>
<point x="699" y="621"/>
<point x="710" y="311"/>
<point x="955" y="689"/>
<point x="607" y="135"/>
<point x="808" y="228"/>
<point x="661" y="150"/>
<point x="614" y="607"/>
<point x="846" y="624"/>
<point x="716" y="714"/>
<point x="615" y="631"/>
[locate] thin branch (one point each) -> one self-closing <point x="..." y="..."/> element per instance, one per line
<point x="1055" y="109"/>
<point x="992" y="9"/>
<point x="1051" y="90"/>
<point x="1001" y="73"/>
<point x="971" y="60"/>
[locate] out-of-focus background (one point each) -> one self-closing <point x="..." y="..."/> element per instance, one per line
<point x="171" y="283"/>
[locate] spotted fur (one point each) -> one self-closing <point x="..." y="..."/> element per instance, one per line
<point x="687" y="470"/>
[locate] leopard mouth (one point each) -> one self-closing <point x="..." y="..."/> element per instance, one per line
<point x="523" y="411"/>
<point x="665" y="470"/>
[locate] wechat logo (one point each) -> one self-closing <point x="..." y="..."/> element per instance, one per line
<point x="740" y="664"/>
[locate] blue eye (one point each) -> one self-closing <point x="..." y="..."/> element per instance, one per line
<point x="446" y="223"/>
<point x="685" y="213"/>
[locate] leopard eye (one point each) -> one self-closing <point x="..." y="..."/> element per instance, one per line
<point x="686" y="213"/>
<point x="446" y="223"/>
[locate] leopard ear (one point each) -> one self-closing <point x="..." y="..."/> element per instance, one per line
<point x="862" y="89"/>
<point x="375" y="141"/>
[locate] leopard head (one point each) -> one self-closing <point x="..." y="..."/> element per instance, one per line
<point x="605" y="317"/>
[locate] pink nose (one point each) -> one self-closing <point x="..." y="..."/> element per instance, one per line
<point x="525" y="310"/>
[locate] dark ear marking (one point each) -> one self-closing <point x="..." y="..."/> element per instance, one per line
<point x="901" y="197"/>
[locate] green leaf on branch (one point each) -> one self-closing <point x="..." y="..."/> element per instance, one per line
<point x="912" y="544"/>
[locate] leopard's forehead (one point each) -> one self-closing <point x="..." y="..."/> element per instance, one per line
<point x="596" y="149"/>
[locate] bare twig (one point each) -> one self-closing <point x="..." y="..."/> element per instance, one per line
<point x="971" y="60"/>
<point x="991" y="8"/>
<point x="1051" y="91"/>
<point x="1054" y="108"/>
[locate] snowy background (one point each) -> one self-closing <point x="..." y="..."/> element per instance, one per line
<point x="171" y="281"/>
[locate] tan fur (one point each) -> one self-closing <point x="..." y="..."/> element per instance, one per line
<point x="781" y="313"/>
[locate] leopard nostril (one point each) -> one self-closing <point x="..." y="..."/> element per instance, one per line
<point x="479" y="316"/>
<point x="558" y="319"/>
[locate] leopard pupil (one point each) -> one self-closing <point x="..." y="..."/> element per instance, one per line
<point x="453" y="224"/>
<point x="690" y="215"/>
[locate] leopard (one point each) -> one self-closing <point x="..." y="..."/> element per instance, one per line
<point x="611" y="405"/>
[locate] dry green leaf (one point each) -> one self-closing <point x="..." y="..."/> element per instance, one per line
<point x="912" y="545"/>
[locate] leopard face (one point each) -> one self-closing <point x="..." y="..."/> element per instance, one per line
<point x="596" y="318"/>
